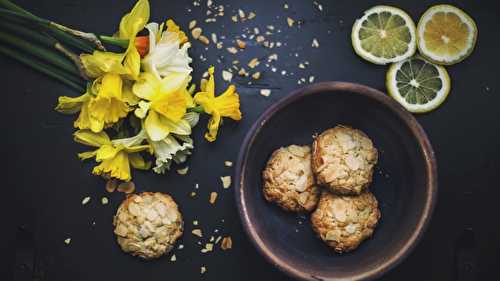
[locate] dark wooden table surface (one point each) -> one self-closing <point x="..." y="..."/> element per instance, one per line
<point x="49" y="182"/>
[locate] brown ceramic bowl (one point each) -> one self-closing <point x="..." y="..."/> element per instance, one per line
<point x="405" y="181"/>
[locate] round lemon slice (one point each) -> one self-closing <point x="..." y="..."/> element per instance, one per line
<point x="446" y="34"/>
<point x="384" y="34"/>
<point x="417" y="84"/>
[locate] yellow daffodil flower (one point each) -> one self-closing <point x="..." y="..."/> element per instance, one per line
<point x="168" y="50"/>
<point x="164" y="104"/>
<point x="109" y="105"/>
<point x="114" y="156"/>
<point x="225" y="105"/>
<point x="129" y="62"/>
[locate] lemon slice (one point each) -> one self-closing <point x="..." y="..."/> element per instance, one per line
<point x="384" y="35"/>
<point x="446" y="34"/>
<point x="417" y="84"/>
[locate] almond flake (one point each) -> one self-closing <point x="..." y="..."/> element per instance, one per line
<point x="228" y="163"/>
<point x="241" y="44"/>
<point x="203" y="39"/>
<point x="226" y="181"/>
<point x="315" y="43"/>
<point x="311" y="79"/>
<point x="193" y="194"/>
<point x="256" y="75"/>
<point x="183" y="171"/>
<point x="195" y="222"/>
<point x="214" y="38"/>
<point x="272" y="57"/>
<point x="242" y="72"/>
<point x="290" y="21"/>
<point x="251" y="15"/>
<point x="67" y="241"/>
<point x="104" y="200"/>
<point x="227" y="76"/>
<point x="218" y="239"/>
<point x="232" y="50"/>
<point x="260" y="39"/>
<point x="285" y="6"/>
<point x="301" y="65"/>
<point x="196" y="32"/>
<point x="241" y="13"/>
<point x="234" y="18"/>
<point x="203" y="269"/>
<point x="227" y="243"/>
<point x="265" y="92"/>
<point x="213" y="197"/>
<point x="126" y="187"/>
<point x="85" y="200"/>
<point x="111" y="185"/>
<point x="253" y="63"/>
<point x="197" y="232"/>
<point x="192" y="24"/>
<point x="173" y="258"/>
<point x="219" y="45"/>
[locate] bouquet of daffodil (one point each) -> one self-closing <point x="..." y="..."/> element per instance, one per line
<point x="134" y="103"/>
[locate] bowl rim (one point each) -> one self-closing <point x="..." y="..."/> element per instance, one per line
<point x="409" y="120"/>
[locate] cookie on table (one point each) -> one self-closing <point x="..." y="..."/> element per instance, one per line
<point x="148" y="224"/>
<point x="288" y="179"/>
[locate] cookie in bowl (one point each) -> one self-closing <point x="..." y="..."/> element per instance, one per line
<point x="343" y="221"/>
<point x="343" y="159"/>
<point x="148" y="224"/>
<point x="288" y="179"/>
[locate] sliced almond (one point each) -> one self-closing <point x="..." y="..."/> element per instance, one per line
<point x="253" y="63"/>
<point x="173" y="258"/>
<point x="232" y="50"/>
<point x="183" y="171"/>
<point x="203" y="39"/>
<point x="67" y="241"/>
<point x="213" y="197"/>
<point x="111" y="185"/>
<point x="251" y="15"/>
<point x="315" y="43"/>
<point x="241" y="44"/>
<point x="228" y="163"/>
<point x="227" y="76"/>
<point x="192" y="24"/>
<point x="227" y="243"/>
<point x="197" y="232"/>
<point x="126" y="187"/>
<point x="196" y="32"/>
<point x="86" y="200"/>
<point x="226" y="181"/>
<point x="265" y="92"/>
<point x="203" y="269"/>
<point x="256" y="75"/>
<point x="290" y="21"/>
<point x="104" y="200"/>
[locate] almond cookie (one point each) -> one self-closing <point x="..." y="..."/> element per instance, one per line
<point x="288" y="179"/>
<point x="343" y="160"/>
<point x="343" y="222"/>
<point x="148" y="224"/>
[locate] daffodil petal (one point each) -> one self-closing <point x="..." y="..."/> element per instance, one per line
<point x="228" y="104"/>
<point x="134" y="21"/>
<point x="213" y="127"/>
<point x="146" y="86"/>
<point x="137" y="148"/>
<point x="142" y="110"/>
<point x="153" y="29"/>
<point x="87" y="155"/>
<point x="132" y="62"/>
<point x="90" y="138"/>
<point x="155" y="126"/>
<point x="117" y="167"/>
<point x="128" y="95"/>
<point x="172" y="106"/>
<point x="137" y="161"/>
<point x="181" y="127"/>
<point x="107" y="151"/>
<point x="70" y="105"/>
<point x="99" y="63"/>
<point x="174" y="82"/>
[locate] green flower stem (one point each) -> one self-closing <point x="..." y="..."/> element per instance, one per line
<point x="59" y="34"/>
<point x="197" y="109"/>
<point x="114" y="41"/>
<point x="41" y="67"/>
<point x="40" y="52"/>
<point x="24" y="32"/>
<point x="83" y="35"/>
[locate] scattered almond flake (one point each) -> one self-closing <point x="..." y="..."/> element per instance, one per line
<point x="196" y="32"/>
<point x="181" y="246"/>
<point x="256" y="75"/>
<point x="235" y="62"/>
<point x="218" y="239"/>
<point x="197" y="232"/>
<point x="183" y="171"/>
<point x="126" y="187"/>
<point x="111" y="185"/>
<point x="193" y="194"/>
<point x="67" y="241"/>
<point x="274" y="69"/>
<point x="196" y="186"/>
<point x="209" y="3"/>
<point x="227" y="243"/>
<point x="290" y="21"/>
<point x="219" y="45"/>
<point x="301" y="65"/>
<point x="285" y="6"/>
<point x="210" y="20"/>
<point x="253" y="63"/>
<point x="227" y="76"/>
<point x="203" y="39"/>
<point x="260" y="39"/>
<point x="241" y="44"/>
<point x="173" y="258"/>
<point x="272" y="57"/>
<point x="214" y="38"/>
<point x="85" y="200"/>
<point x="226" y="181"/>
<point x="192" y="24"/>
<point x="232" y="50"/>
<point x="266" y="43"/>
<point x="203" y="269"/>
<point x="265" y="92"/>
<point x="241" y="13"/>
<point x="251" y="15"/>
<point x="311" y="79"/>
<point x="315" y="43"/>
<point x="234" y="18"/>
<point x="213" y="197"/>
<point x="195" y="222"/>
<point x="256" y="30"/>
<point x="242" y="72"/>
<point x="228" y="163"/>
<point x="208" y="248"/>
<point x="270" y="27"/>
<point x="104" y="200"/>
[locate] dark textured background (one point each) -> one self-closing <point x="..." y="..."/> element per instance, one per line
<point x="49" y="181"/>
